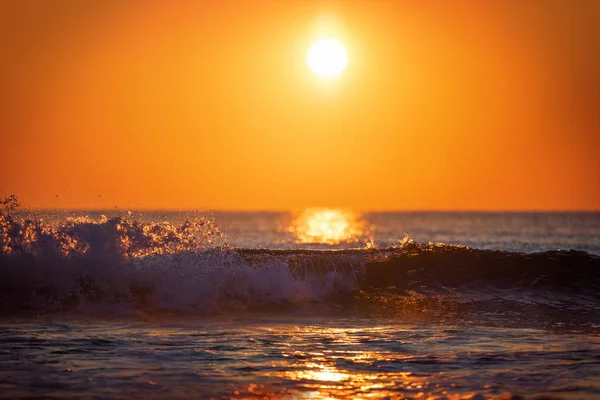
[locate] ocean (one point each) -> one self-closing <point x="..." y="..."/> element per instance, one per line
<point x="315" y="304"/>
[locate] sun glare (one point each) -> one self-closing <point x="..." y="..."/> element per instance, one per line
<point x="327" y="58"/>
<point x="329" y="226"/>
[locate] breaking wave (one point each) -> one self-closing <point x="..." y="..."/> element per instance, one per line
<point x="82" y="263"/>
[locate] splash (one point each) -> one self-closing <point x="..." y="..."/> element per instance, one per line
<point x="121" y="236"/>
<point x="82" y="261"/>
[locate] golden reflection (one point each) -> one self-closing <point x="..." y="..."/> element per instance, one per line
<point x="325" y="380"/>
<point x="348" y="371"/>
<point x="329" y="226"/>
<point x="323" y="376"/>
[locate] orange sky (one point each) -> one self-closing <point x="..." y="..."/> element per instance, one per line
<point x="443" y="105"/>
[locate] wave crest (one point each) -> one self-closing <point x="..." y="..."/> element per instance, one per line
<point x="82" y="262"/>
<point x="121" y="236"/>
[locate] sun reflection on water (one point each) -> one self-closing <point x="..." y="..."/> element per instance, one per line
<point x="312" y="371"/>
<point x="329" y="226"/>
<point x="322" y="376"/>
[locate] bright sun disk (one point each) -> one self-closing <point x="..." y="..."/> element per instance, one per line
<point x="327" y="58"/>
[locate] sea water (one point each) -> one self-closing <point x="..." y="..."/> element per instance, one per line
<point x="319" y="304"/>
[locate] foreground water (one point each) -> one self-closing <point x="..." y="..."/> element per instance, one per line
<point x="301" y="356"/>
<point x="321" y="304"/>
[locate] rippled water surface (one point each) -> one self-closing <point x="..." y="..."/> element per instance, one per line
<point x="300" y="356"/>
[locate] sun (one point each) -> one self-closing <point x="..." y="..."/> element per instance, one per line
<point x="327" y="58"/>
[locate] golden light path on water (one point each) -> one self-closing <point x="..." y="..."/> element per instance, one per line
<point x="329" y="226"/>
<point x="311" y="369"/>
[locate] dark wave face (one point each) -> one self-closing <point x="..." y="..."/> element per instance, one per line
<point x="85" y="264"/>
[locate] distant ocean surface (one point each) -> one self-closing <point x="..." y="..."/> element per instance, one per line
<point x="526" y="232"/>
<point x="319" y="304"/>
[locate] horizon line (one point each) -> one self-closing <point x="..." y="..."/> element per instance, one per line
<point x="292" y="210"/>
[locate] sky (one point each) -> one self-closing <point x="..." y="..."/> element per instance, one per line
<point x="462" y="105"/>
